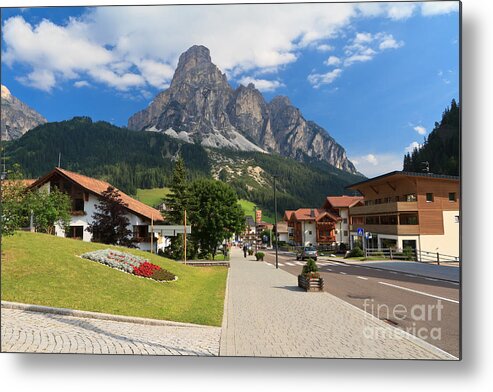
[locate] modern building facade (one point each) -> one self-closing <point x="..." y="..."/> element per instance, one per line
<point x="85" y="193"/>
<point x="405" y="209"/>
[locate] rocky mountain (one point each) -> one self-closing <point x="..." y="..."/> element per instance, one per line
<point x="17" y="117"/>
<point x="201" y="107"/>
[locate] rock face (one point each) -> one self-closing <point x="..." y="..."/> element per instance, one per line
<point x="17" y="117"/>
<point x="200" y="106"/>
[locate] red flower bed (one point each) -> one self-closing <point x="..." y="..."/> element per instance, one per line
<point x="146" y="269"/>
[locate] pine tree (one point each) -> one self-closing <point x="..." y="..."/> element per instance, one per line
<point x="178" y="199"/>
<point x="110" y="224"/>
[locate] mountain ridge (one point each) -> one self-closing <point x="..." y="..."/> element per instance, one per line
<point x="200" y="106"/>
<point x="17" y="117"/>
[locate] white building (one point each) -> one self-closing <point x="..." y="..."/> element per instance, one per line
<point x="341" y="205"/>
<point x="85" y="193"/>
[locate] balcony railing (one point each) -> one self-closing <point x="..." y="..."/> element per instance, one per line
<point x="387" y="229"/>
<point x="400" y="206"/>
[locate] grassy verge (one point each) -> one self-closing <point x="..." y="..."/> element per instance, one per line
<point x="46" y="270"/>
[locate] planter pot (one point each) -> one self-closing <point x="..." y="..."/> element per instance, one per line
<point x="310" y="284"/>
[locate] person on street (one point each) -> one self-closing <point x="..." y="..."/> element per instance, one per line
<point x="245" y="249"/>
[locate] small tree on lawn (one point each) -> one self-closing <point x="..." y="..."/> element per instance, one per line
<point x="13" y="202"/>
<point x="110" y="224"/>
<point x="216" y="214"/>
<point x="49" y="209"/>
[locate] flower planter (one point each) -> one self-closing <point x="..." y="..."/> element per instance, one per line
<point x="310" y="283"/>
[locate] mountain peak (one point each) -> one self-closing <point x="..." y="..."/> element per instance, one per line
<point x="281" y="100"/>
<point x="5" y="92"/>
<point x="195" y="55"/>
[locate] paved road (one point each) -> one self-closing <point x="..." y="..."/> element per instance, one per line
<point x="268" y="315"/>
<point x="404" y="301"/>
<point x="25" y="331"/>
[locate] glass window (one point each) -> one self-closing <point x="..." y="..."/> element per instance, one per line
<point x="78" y="205"/>
<point x="429" y="197"/>
<point x="388" y="220"/>
<point x="408" y="219"/>
<point x="75" y="232"/>
<point x="344" y="221"/>
<point x="451" y="196"/>
<point x="410" y="197"/>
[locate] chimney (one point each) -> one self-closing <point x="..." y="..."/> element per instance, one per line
<point x="312" y="213"/>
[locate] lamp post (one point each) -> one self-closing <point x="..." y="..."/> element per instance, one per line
<point x="275" y="222"/>
<point x="255" y="222"/>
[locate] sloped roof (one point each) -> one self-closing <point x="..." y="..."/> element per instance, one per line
<point x="287" y="214"/>
<point x="343" y="201"/>
<point x="98" y="187"/>
<point x="303" y="214"/>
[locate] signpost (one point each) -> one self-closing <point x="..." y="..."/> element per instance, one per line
<point x="361" y="233"/>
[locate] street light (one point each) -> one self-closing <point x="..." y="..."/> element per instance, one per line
<point x="275" y="221"/>
<point x="255" y="222"/>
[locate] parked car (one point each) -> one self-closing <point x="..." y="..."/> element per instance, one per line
<point x="307" y="252"/>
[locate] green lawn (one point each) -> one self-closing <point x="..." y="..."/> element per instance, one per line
<point x="45" y="270"/>
<point x="249" y="209"/>
<point x="152" y="197"/>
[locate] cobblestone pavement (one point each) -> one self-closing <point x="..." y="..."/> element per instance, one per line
<point x="25" y="331"/>
<point x="268" y="315"/>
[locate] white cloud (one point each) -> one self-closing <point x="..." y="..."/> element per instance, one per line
<point x="40" y="78"/>
<point x="365" y="46"/>
<point x="411" y="147"/>
<point x="389" y="43"/>
<point x="433" y="8"/>
<point x="333" y="60"/>
<point x="420" y="129"/>
<point x="262" y="84"/>
<point x="400" y="11"/>
<point x="81" y="83"/>
<point x="372" y="165"/>
<point x="316" y="80"/>
<point x="155" y="73"/>
<point x="325" y="48"/>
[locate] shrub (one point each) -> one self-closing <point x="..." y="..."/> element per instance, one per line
<point x="310" y="266"/>
<point x="356" y="252"/>
<point x="408" y="252"/>
<point x="162" y="275"/>
<point x="250" y="252"/>
<point x="342" y="247"/>
<point x="259" y="256"/>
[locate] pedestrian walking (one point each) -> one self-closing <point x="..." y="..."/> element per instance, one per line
<point x="245" y="249"/>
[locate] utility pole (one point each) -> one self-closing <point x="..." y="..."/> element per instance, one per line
<point x="275" y="223"/>
<point x="255" y="220"/>
<point x="59" y="159"/>
<point x="152" y="234"/>
<point x="185" y="236"/>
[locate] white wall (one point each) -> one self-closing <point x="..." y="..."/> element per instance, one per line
<point x="448" y="243"/>
<point x="85" y="220"/>
<point x="306" y="236"/>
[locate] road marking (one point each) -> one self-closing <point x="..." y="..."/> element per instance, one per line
<point x="299" y="263"/>
<point x="393" y="272"/>
<point x="280" y="264"/>
<point x="362" y="277"/>
<point x="435" y="280"/>
<point x="291" y="264"/>
<point x="412" y="276"/>
<point x="419" y="292"/>
<point x="328" y="269"/>
<point x="342" y="273"/>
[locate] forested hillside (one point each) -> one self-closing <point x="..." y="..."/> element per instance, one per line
<point x="442" y="147"/>
<point x="131" y="160"/>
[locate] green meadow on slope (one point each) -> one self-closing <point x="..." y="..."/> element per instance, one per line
<point x="46" y="270"/>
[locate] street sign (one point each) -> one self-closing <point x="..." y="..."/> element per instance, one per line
<point x="170" y="231"/>
<point x="361" y="231"/>
<point x="258" y="216"/>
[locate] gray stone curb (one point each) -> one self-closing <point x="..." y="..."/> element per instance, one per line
<point x="98" y="316"/>
<point x="395" y="270"/>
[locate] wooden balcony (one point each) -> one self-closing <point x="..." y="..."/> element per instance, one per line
<point x="400" y="206"/>
<point x="388" y="229"/>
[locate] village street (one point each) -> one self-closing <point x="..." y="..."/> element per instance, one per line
<point x="266" y="314"/>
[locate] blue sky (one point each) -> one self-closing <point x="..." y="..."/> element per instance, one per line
<point x="375" y="76"/>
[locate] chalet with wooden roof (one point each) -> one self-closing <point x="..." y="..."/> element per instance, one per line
<point x="311" y="226"/>
<point x="341" y="206"/>
<point x="85" y="193"/>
